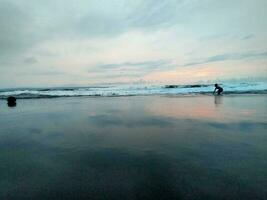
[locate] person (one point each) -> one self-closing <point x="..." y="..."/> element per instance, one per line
<point x="218" y="88"/>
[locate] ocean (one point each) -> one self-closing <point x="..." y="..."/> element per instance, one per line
<point x="134" y="90"/>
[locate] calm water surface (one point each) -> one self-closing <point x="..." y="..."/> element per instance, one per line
<point x="153" y="147"/>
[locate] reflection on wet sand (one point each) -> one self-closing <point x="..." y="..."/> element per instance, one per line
<point x="218" y="99"/>
<point x="207" y="108"/>
<point x="11" y="104"/>
<point x="134" y="148"/>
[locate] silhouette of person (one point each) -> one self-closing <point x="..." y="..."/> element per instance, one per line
<point x="218" y="89"/>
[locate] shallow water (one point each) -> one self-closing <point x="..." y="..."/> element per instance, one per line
<point x="154" y="147"/>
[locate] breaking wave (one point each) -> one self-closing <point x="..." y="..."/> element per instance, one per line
<point x="134" y="90"/>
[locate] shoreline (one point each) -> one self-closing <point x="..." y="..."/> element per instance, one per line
<point x="143" y="95"/>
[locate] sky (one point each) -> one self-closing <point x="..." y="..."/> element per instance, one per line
<point x="83" y="42"/>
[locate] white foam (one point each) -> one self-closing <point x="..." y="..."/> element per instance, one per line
<point x="126" y="90"/>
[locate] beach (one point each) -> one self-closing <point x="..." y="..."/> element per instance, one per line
<point x="134" y="147"/>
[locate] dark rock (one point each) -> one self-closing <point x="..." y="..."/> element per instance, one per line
<point x="11" y="101"/>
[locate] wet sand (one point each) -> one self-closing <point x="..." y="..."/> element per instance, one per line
<point x="152" y="147"/>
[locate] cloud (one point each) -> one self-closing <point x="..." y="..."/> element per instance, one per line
<point x="130" y="69"/>
<point x="112" y="18"/>
<point x="227" y="57"/>
<point x="44" y="71"/>
<point x="26" y="24"/>
<point x="152" y="15"/>
<point x="13" y="28"/>
<point x="30" y="60"/>
<point x="48" y="73"/>
<point x="146" y="65"/>
<point x="74" y="34"/>
<point x="247" y="37"/>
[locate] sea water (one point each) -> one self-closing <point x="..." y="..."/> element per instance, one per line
<point x="134" y="90"/>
